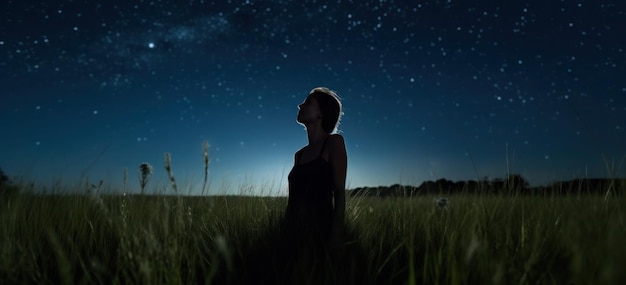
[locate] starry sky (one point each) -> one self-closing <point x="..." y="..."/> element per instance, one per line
<point x="442" y="89"/>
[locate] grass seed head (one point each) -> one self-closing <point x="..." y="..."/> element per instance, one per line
<point x="145" y="169"/>
<point x="442" y="203"/>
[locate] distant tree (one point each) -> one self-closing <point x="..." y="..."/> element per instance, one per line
<point x="516" y="182"/>
<point x="3" y="178"/>
<point x="473" y="186"/>
<point x="426" y="187"/>
<point x="444" y="185"/>
<point x="6" y="189"/>
<point x="495" y="186"/>
<point x="460" y="186"/>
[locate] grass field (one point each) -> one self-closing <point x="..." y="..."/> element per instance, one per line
<point x="139" y="239"/>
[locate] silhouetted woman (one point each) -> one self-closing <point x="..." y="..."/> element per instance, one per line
<point x="314" y="219"/>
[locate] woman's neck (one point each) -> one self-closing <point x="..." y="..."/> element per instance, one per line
<point x="315" y="135"/>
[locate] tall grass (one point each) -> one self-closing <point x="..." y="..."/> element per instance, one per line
<point x="138" y="239"/>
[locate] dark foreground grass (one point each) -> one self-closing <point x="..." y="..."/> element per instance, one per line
<point x="93" y="239"/>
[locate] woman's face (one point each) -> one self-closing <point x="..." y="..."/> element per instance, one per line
<point x="309" y="110"/>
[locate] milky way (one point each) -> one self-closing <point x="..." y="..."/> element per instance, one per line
<point x="435" y="90"/>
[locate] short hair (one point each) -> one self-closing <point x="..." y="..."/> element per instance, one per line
<point x="330" y="106"/>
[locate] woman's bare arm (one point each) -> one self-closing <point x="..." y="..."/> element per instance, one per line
<point x="339" y="165"/>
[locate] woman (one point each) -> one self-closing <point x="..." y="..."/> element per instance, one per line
<point x="315" y="210"/>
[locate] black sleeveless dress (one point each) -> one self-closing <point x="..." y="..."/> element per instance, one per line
<point x="310" y="205"/>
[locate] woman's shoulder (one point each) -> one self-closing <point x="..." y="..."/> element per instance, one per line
<point x="336" y="141"/>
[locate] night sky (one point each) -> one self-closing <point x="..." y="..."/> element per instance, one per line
<point x="443" y="89"/>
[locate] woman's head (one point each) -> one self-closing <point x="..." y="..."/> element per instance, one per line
<point x="329" y="106"/>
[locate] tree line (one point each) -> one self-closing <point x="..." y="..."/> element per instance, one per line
<point x="513" y="184"/>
